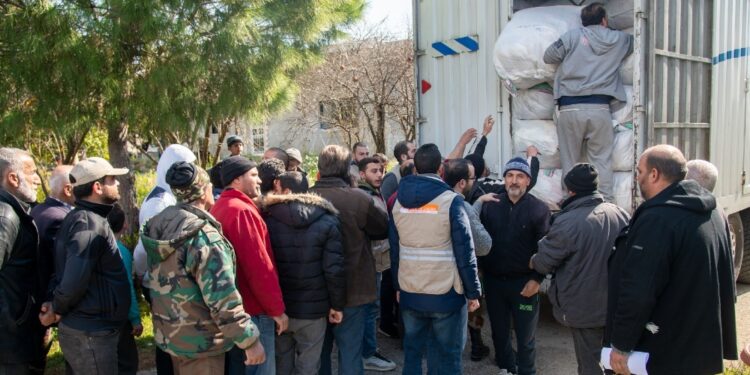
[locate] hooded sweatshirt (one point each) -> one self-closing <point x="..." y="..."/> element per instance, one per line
<point x="197" y="310"/>
<point x="415" y="192"/>
<point x="671" y="284"/>
<point x="306" y="238"/>
<point x="159" y="198"/>
<point x="589" y="59"/>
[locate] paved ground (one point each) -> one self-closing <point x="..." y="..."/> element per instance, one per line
<point x="554" y="346"/>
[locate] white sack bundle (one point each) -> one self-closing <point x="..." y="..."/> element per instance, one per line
<point x="548" y="188"/>
<point x="519" y="50"/>
<point x="536" y="103"/>
<point x="540" y="133"/>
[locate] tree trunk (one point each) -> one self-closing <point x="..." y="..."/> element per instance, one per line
<point x="117" y="135"/>
<point x="380" y="128"/>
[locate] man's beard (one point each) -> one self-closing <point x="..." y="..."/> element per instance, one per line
<point x="111" y="198"/>
<point x="25" y="192"/>
<point x="515" y="192"/>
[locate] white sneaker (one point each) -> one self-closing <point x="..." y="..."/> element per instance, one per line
<point x="378" y="363"/>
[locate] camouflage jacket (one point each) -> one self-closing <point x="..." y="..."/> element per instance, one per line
<point x="196" y="308"/>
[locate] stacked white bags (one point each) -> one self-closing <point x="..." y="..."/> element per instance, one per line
<point x="519" y="51"/>
<point x="518" y="58"/>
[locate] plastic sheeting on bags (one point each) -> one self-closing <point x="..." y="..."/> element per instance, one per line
<point x="626" y="70"/>
<point x="548" y="188"/>
<point x="540" y="133"/>
<point x="622" y="189"/>
<point x="622" y="152"/>
<point x="536" y="103"/>
<point x="622" y="112"/>
<point x="519" y="50"/>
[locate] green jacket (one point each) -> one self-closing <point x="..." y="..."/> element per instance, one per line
<point x="197" y="310"/>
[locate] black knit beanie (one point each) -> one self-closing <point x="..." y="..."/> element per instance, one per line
<point x="582" y="178"/>
<point x="234" y="167"/>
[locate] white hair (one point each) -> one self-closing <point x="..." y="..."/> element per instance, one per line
<point x="11" y="160"/>
<point x="58" y="179"/>
<point x="702" y="172"/>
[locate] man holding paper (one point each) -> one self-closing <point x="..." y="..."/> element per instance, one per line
<point x="671" y="283"/>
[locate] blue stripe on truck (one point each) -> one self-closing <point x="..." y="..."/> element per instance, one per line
<point x="731" y="54"/>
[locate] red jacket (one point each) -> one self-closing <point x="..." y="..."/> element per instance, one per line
<point x="257" y="278"/>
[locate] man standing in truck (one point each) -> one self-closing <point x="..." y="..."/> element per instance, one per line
<point x="587" y="79"/>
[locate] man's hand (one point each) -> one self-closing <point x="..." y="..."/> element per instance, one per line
<point x="619" y="362"/>
<point x="473" y="305"/>
<point x="468" y="135"/>
<point x="47" y="315"/>
<point x="532" y="151"/>
<point x="255" y="354"/>
<point x="489" y="122"/>
<point x="398" y="296"/>
<point x="335" y="317"/>
<point x="489" y="197"/>
<point x="282" y="323"/>
<point x="530" y="289"/>
<point x="137" y="330"/>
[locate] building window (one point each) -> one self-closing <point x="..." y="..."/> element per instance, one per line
<point x="259" y="140"/>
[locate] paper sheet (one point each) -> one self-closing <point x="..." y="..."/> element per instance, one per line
<point x="636" y="362"/>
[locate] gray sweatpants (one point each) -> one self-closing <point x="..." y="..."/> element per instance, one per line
<point x="585" y="133"/>
<point x="298" y="348"/>
<point x="588" y="346"/>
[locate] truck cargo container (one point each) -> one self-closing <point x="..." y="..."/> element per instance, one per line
<point x="690" y="84"/>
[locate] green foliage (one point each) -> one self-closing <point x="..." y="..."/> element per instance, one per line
<point x="310" y="165"/>
<point x="156" y="66"/>
<point x="738" y="369"/>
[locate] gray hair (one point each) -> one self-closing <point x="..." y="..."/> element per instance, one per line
<point x="11" y="160"/>
<point x="58" y="179"/>
<point x="334" y="161"/>
<point x="702" y="172"/>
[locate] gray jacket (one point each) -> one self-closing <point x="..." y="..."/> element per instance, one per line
<point x="482" y="239"/>
<point x="595" y="50"/>
<point x="576" y="250"/>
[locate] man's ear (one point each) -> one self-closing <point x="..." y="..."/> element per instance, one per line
<point x="277" y="186"/>
<point x="13" y="179"/>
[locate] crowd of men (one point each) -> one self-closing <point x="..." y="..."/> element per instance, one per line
<point x="265" y="277"/>
<point x="248" y="269"/>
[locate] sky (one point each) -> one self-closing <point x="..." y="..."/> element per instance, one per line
<point x="395" y="15"/>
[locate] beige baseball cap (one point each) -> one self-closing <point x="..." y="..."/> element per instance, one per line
<point x="92" y="169"/>
<point x="294" y="154"/>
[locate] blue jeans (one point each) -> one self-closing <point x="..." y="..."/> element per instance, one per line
<point x="444" y="335"/>
<point x="348" y="335"/>
<point x="235" y="360"/>
<point x="372" y="310"/>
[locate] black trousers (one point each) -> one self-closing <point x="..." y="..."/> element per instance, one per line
<point x="505" y="304"/>
<point x="127" y="352"/>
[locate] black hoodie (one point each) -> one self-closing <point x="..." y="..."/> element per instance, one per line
<point x="306" y="240"/>
<point x="671" y="284"/>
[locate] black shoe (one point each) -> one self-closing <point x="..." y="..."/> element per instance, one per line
<point x="478" y="350"/>
<point x="389" y="331"/>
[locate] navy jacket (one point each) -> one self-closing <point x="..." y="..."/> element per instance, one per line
<point x="48" y="217"/>
<point x="515" y="230"/>
<point x="416" y="191"/>
<point x="92" y="291"/>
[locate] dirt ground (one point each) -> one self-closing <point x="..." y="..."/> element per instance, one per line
<point x="555" y="353"/>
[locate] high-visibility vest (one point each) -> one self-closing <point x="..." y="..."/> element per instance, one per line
<point x="426" y="261"/>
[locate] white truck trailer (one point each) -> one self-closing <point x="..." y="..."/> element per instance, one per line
<point x="690" y="84"/>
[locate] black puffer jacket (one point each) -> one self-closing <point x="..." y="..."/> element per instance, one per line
<point x="306" y="240"/>
<point x="91" y="292"/>
<point x="20" y="331"/>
